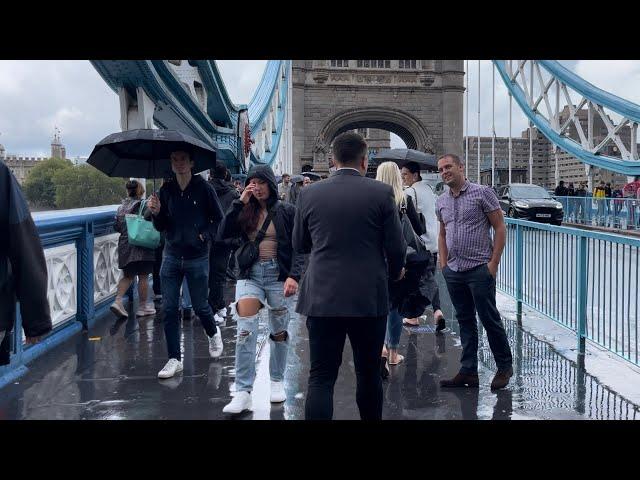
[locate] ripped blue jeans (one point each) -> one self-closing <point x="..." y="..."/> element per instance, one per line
<point x="263" y="285"/>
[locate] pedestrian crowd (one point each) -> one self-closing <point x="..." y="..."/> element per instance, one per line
<point x="355" y="256"/>
<point x="610" y="203"/>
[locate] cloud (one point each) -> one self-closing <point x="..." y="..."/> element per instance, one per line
<point x="35" y="96"/>
<point x="241" y="77"/>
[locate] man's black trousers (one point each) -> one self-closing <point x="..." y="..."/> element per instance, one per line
<point x="326" y="342"/>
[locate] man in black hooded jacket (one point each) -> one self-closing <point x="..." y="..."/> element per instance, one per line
<point x="220" y="250"/>
<point x="23" y="269"/>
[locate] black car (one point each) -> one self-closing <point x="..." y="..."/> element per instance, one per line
<point x="530" y="202"/>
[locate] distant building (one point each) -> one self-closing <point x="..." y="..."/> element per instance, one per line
<point x="570" y="168"/>
<point x="57" y="148"/>
<point x="20" y="164"/>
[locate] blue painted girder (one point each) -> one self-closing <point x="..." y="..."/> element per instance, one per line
<point x="625" y="167"/>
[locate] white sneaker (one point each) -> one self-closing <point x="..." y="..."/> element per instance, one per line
<point x="172" y="367"/>
<point x="119" y="310"/>
<point x="148" y="309"/>
<point x="240" y="402"/>
<point x="220" y="317"/>
<point x="215" y="344"/>
<point x="278" y="394"/>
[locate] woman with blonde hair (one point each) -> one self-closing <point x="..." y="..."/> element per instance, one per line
<point x="410" y="294"/>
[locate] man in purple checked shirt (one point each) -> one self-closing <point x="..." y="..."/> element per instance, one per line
<point x="469" y="261"/>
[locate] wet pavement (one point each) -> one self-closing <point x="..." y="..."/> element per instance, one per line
<point x="110" y="373"/>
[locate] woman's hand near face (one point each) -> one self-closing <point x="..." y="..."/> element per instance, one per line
<point x="247" y="193"/>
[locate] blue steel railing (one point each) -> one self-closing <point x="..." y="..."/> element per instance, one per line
<point x="622" y="213"/>
<point x="587" y="281"/>
<point x="77" y="230"/>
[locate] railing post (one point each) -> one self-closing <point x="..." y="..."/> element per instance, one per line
<point x="581" y="283"/>
<point x="519" y="271"/>
<point x="85" y="276"/>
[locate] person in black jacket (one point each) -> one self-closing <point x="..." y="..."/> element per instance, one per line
<point x="411" y="295"/>
<point x="23" y="269"/>
<point x="350" y="225"/>
<point x="270" y="281"/>
<point x="188" y="211"/>
<point x="220" y="250"/>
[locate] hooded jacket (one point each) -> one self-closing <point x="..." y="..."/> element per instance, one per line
<point x="23" y="269"/>
<point x="290" y="265"/>
<point x="185" y="215"/>
<point x="226" y="193"/>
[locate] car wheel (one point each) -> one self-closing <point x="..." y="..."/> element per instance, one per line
<point x="512" y="213"/>
<point x="557" y="223"/>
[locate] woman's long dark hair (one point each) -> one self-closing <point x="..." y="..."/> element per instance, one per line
<point x="250" y="216"/>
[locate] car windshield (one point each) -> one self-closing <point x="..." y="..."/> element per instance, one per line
<point x="529" y="192"/>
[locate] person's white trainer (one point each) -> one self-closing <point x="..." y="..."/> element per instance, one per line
<point x="118" y="309"/>
<point x="145" y="310"/>
<point x="240" y="402"/>
<point x="220" y="317"/>
<point x="172" y="367"/>
<point x="278" y="395"/>
<point x="215" y="344"/>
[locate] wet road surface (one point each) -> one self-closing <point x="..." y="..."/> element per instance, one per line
<point x="110" y="373"/>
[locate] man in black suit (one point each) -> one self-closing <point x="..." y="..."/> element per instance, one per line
<point x="350" y="225"/>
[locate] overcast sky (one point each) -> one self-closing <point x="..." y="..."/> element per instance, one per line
<point x="35" y="96"/>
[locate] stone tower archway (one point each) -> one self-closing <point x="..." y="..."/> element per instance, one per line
<point x="421" y="101"/>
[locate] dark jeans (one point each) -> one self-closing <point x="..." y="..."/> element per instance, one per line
<point x="218" y="264"/>
<point x="475" y="291"/>
<point x="431" y="269"/>
<point x="326" y="342"/>
<point x="157" y="283"/>
<point x="172" y="273"/>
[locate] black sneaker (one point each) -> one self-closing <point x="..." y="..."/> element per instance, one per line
<point x="187" y="314"/>
<point x="441" y="324"/>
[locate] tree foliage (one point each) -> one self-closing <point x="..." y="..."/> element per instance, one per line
<point x="84" y="186"/>
<point x="39" y="186"/>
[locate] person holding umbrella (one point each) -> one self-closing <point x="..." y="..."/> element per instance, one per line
<point x="188" y="211"/>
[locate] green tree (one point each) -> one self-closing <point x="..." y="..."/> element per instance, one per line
<point x="39" y="186"/>
<point x="84" y="186"/>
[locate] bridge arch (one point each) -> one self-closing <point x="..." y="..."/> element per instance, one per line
<point x="403" y="124"/>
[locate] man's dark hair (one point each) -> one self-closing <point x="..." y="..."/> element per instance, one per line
<point x="221" y="170"/>
<point x="452" y="156"/>
<point x="561" y="182"/>
<point x="349" y="148"/>
<point x="413" y="167"/>
<point x="286" y="175"/>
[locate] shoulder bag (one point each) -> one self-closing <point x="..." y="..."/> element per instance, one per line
<point x="141" y="232"/>
<point x="248" y="253"/>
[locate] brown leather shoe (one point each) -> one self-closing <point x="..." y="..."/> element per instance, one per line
<point x="501" y="379"/>
<point x="461" y="380"/>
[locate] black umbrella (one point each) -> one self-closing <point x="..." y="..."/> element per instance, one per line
<point x="312" y="176"/>
<point x="401" y="156"/>
<point x="145" y="153"/>
<point x="297" y="179"/>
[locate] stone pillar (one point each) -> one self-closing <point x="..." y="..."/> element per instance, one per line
<point x="452" y="107"/>
<point x="298" y="72"/>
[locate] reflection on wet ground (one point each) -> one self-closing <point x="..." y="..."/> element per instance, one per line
<point x="110" y="373"/>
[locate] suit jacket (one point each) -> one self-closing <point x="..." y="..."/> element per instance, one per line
<point x="350" y="226"/>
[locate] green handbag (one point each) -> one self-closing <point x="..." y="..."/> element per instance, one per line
<point x="141" y="232"/>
